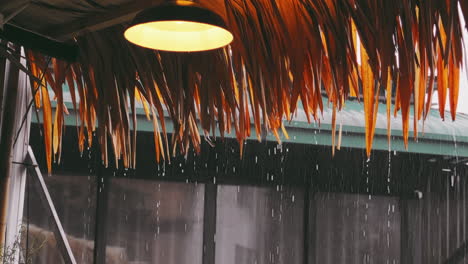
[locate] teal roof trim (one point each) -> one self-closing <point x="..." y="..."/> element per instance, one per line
<point x="439" y="137"/>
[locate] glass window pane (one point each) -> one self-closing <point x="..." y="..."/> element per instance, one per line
<point x="154" y="222"/>
<point x="74" y="200"/>
<point x="352" y="228"/>
<point x="259" y="225"/>
<point x="436" y="221"/>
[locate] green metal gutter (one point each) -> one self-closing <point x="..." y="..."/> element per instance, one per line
<point x="439" y="137"/>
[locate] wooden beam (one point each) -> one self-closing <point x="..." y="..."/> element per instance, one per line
<point x="34" y="41"/>
<point x="99" y="20"/>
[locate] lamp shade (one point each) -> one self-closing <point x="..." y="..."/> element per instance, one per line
<point x="179" y="27"/>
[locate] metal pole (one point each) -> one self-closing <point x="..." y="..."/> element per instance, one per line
<point x="7" y="136"/>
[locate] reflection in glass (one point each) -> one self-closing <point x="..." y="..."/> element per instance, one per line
<point x="154" y="222"/>
<point x="352" y="228"/>
<point x="259" y="225"/>
<point x="74" y="200"/>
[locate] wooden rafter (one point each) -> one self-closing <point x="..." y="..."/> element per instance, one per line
<point x="99" y="20"/>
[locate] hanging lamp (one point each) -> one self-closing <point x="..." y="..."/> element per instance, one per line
<point x="179" y="26"/>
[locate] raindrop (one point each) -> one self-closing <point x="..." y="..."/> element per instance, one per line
<point x="419" y="194"/>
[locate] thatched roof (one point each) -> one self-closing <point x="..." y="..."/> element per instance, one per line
<point x="284" y="52"/>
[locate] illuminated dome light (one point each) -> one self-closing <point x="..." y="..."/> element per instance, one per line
<point x="180" y="26"/>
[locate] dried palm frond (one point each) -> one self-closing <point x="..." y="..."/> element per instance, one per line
<point x="284" y="52"/>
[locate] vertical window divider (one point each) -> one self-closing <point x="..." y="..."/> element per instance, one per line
<point x="102" y="195"/>
<point x="209" y="223"/>
<point x="306" y="224"/>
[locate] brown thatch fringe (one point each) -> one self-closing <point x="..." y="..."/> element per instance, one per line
<point x="283" y="52"/>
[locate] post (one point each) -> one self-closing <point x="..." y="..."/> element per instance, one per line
<point x="18" y="172"/>
<point x="7" y="136"/>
